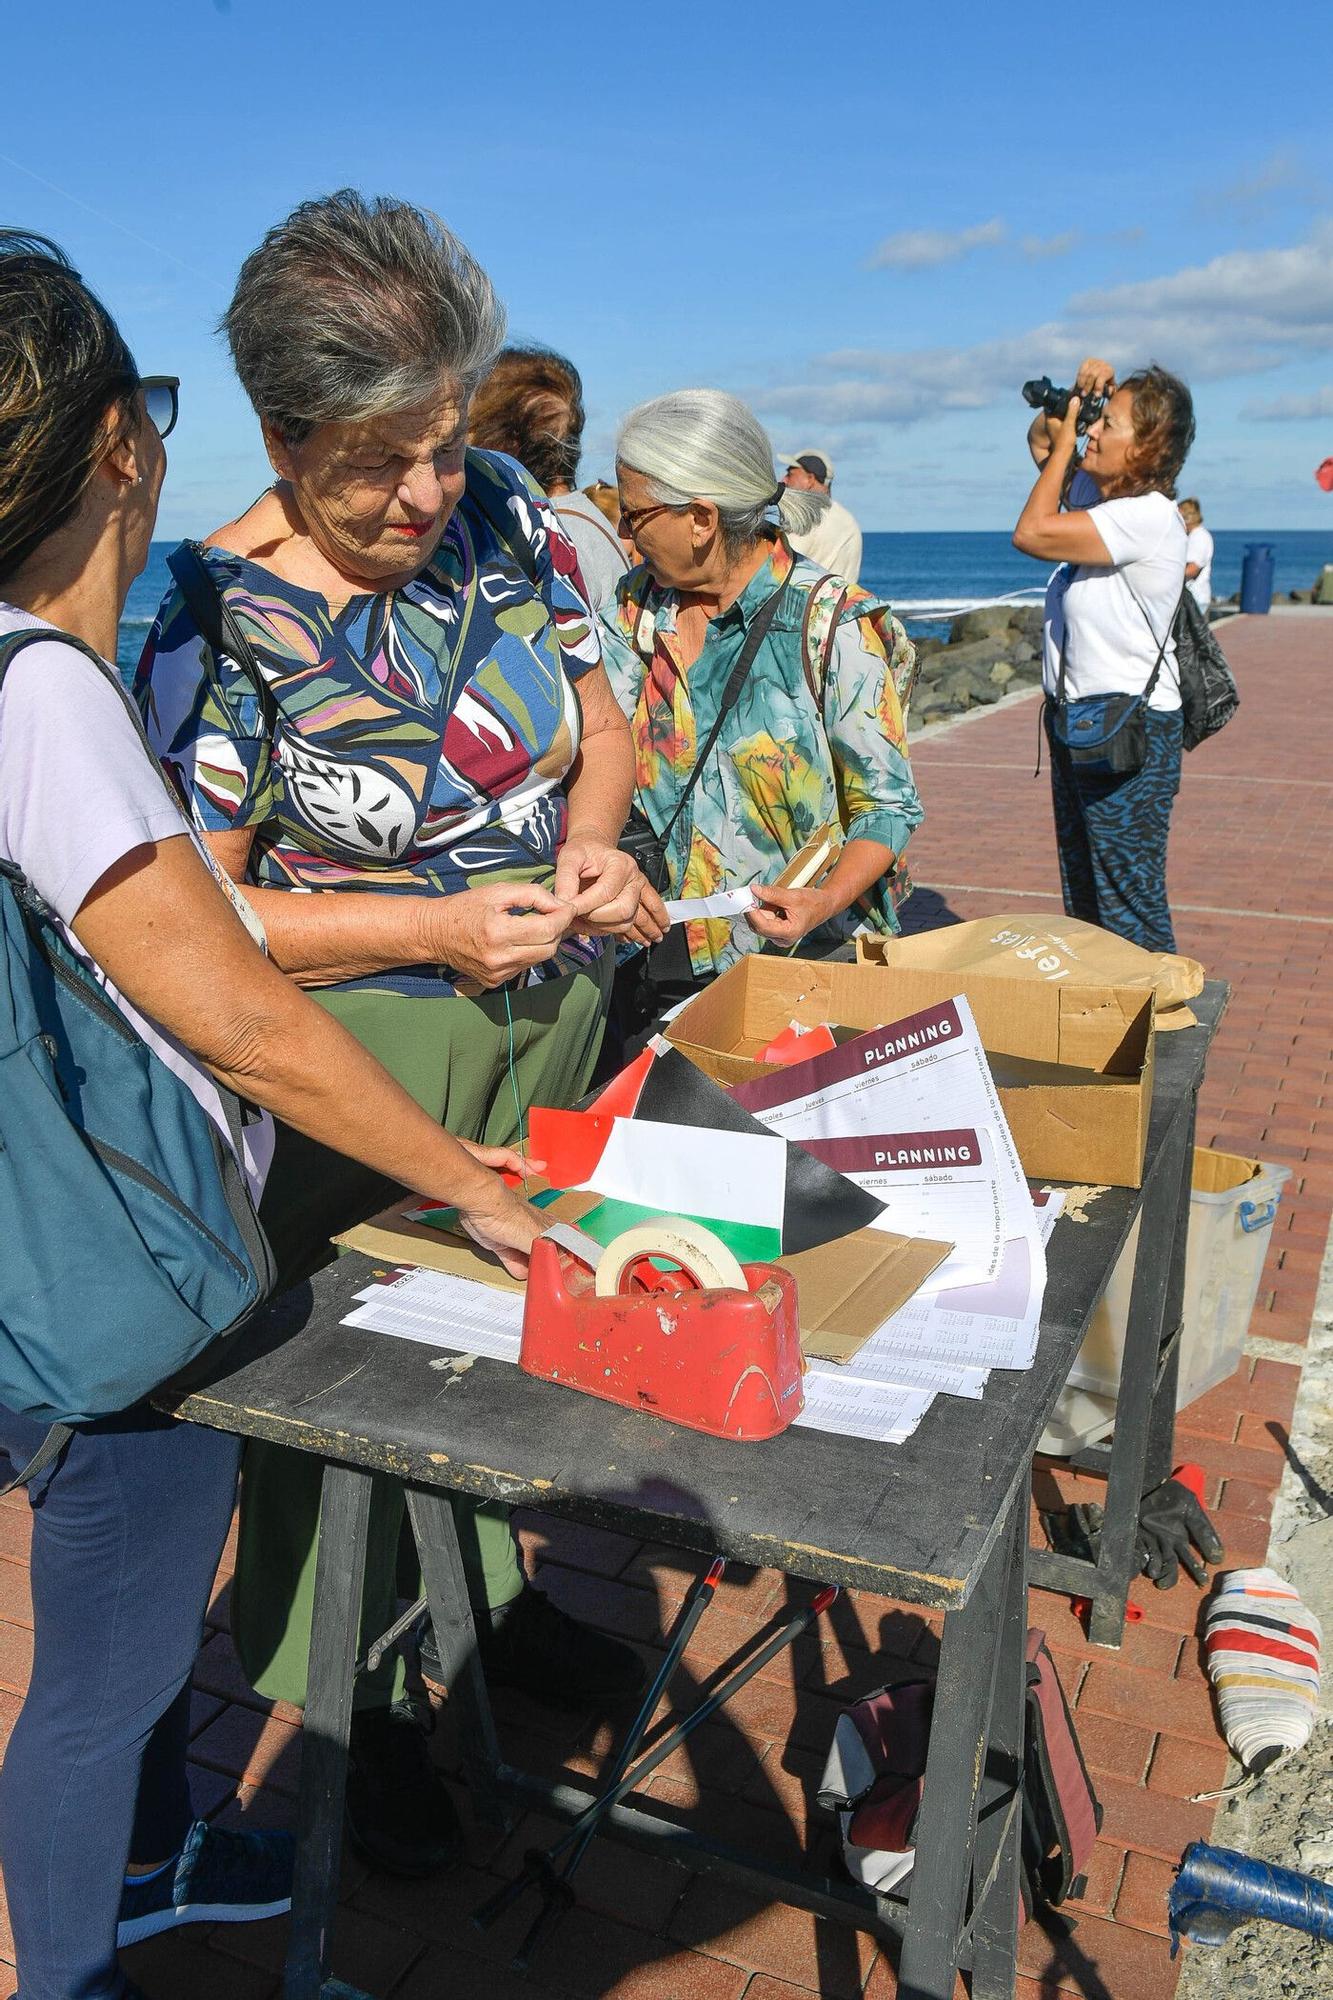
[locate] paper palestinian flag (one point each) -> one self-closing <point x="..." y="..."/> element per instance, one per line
<point x="664" y="1139"/>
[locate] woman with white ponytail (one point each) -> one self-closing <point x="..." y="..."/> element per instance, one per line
<point x="809" y="674"/>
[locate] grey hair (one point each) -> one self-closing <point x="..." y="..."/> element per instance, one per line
<point x="702" y="444"/>
<point x="352" y="309"/>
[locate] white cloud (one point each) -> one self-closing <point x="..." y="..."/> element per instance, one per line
<point x="1239" y="314"/>
<point x="1258" y="298"/>
<point x="1051" y="246"/>
<point x="924" y="249"/>
<point x="1283" y="172"/>
<point x="1292" y="409"/>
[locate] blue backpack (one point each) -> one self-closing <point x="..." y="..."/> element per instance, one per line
<point x="131" y="1241"/>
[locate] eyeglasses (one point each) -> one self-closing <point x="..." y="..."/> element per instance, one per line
<point x="633" y="518"/>
<point x="161" y="401"/>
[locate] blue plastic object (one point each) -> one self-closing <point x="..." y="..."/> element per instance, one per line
<point x="1256" y="578"/>
<point x="1256" y="1215"/>
<point x="1216" y="1889"/>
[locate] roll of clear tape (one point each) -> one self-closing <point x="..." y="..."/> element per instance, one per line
<point x="687" y="1244"/>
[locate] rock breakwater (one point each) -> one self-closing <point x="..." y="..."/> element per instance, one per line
<point x="990" y="652"/>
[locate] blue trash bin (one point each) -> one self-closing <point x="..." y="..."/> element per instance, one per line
<point x="1256" y="577"/>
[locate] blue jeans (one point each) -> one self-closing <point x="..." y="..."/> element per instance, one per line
<point x="127" y="1531"/>
<point x="1111" y="834"/>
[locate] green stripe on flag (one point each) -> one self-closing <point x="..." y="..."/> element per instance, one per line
<point x="749" y="1242"/>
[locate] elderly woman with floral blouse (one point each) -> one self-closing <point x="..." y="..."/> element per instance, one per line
<point x="815" y="736"/>
<point x="401" y="743"/>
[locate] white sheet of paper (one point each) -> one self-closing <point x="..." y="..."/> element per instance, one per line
<point x="723" y="903"/>
<point x="852" y="1408"/>
<point x="444" y="1311"/>
<point x="941" y="1184"/>
<point x="973" y="1326"/>
<point x="907" y="1366"/>
<point x="683" y="1170"/>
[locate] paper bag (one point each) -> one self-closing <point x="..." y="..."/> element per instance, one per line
<point x="1014" y="947"/>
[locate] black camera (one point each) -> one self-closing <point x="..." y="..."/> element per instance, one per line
<point x="1043" y="395"/>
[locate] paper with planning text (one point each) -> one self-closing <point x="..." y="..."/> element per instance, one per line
<point x="940" y="1184"/>
<point x="925" y="1073"/>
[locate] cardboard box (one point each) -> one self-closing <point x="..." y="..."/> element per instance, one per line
<point x="1073" y="1064"/>
<point x="846" y="1289"/>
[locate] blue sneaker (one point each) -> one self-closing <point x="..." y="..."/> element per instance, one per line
<point x="221" y="1878"/>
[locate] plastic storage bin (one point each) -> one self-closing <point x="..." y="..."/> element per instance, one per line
<point x="1233" y="1202"/>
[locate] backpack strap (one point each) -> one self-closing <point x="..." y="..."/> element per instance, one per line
<point x="1161" y="650"/>
<point x="208" y="606"/>
<point x="49" y="1452"/>
<point x="824" y="606"/>
<point x="13" y="643"/>
<point x="601" y="523"/>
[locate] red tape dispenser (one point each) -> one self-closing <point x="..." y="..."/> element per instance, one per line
<point x="665" y="1319"/>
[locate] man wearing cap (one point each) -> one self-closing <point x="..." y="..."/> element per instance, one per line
<point x="835" y="540"/>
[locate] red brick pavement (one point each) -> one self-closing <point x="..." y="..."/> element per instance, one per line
<point x="1254" y="901"/>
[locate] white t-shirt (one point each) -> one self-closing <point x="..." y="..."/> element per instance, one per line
<point x="601" y="554"/>
<point x="1112" y="621"/>
<point x="834" y="542"/>
<point x="1199" y="549"/>
<point x="78" y="791"/>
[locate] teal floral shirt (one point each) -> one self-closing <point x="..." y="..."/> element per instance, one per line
<point x="817" y="735"/>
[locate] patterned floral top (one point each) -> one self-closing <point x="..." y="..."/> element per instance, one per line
<point x="784" y="765"/>
<point x="422" y="735"/>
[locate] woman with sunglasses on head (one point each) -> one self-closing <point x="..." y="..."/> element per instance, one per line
<point x="1110" y="520"/>
<point x="98" y="1841"/>
<point x="812" y="737"/>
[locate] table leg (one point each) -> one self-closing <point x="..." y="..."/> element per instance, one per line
<point x="339" y="1573"/>
<point x="1160" y="1242"/>
<point x="432" y="1519"/>
<point x="995" y="1871"/>
<point x="1162" y="1418"/>
<point x="946" y="1825"/>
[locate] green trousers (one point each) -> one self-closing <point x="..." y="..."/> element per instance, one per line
<point x="453" y="1056"/>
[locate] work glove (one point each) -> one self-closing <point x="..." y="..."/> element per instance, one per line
<point x="1172" y="1524"/>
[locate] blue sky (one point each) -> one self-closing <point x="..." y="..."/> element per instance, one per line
<point x="873" y="220"/>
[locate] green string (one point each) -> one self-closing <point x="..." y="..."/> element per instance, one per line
<point x="513" y="1085"/>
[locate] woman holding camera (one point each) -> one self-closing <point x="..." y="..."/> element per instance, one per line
<point x="1109" y="666"/>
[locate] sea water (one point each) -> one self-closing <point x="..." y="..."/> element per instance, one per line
<point x="911" y="570"/>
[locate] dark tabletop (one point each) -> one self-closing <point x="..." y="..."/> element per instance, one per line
<point x="913" y="1520"/>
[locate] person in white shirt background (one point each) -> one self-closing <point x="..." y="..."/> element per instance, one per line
<point x="1111" y="522"/>
<point x="835" y="540"/>
<point x="1198" y="555"/>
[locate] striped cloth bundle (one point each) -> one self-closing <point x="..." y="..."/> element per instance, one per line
<point x="1261" y="1648"/>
